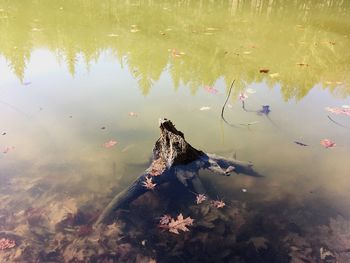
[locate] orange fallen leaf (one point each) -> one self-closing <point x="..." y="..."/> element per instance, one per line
<point x="218" y="203"/>
<point x="148" y="183"/>
<point x="180" y="223"/>
<point x="200" y="198"/>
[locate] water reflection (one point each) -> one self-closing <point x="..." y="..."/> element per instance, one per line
<point x="301" y="43"/>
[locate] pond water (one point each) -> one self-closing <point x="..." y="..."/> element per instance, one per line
<point x="75" y="75"/>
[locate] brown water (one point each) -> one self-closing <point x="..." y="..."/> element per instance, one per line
<point x="71" y="73"/>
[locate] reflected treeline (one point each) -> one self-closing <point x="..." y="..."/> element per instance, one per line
<point x="301" y="43"/>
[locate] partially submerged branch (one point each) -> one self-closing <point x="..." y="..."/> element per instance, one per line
<point x="175" y="159"/>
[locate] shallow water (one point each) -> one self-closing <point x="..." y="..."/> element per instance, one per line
<point x="71" y="74"/>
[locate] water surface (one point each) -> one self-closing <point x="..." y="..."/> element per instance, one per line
<point x="75" y="75"/>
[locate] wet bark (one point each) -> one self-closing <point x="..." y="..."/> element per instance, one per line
<point x="175" y="159"/>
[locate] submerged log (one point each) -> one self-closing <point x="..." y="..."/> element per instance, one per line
<point x="175" y="159"/>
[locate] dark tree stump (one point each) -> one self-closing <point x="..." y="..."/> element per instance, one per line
<point x="175" y="159"/>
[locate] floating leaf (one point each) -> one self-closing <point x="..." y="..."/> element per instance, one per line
<point x="200" y="198"/>
<point x="6" y="243"/>
<point x="149" y="183"/>
<point x="8" y="149"/>
<point x="204" y="108"/>
<point x="211" y="90"/>
<point x="265" y="110"/>
<point x="327" y="143"/>
<point x="180" y="223"/>
<point x="342" y="111"/>
<point x="109" y="144"/>
<point x="243" y="96"/>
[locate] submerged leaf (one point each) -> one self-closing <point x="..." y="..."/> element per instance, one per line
<point x="165" y="219"/>
<point x="180" y="223"/>
<point x="218" y="203"/>
<point x="200" y="198"/>
<point x="6" y="243"/>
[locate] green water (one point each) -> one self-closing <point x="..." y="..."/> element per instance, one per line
<point x="72" y="71"/>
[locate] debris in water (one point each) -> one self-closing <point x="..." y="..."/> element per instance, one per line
<point x="265" y="110"/>
<point x="6" y="243"/>
<point x="300" y="143"/>
<point x="327" y="143"/>
<point x="244" y="190"/>
<point x="7" y="149"/>
<point x="204" y="108"/>
<point x="103" y="128"/>
<point x="4" y="133"/>
<point x="109" y="144"/>
<point x="128" y="147"/>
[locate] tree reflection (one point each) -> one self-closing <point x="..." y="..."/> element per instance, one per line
<point x="301" y="42"/>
